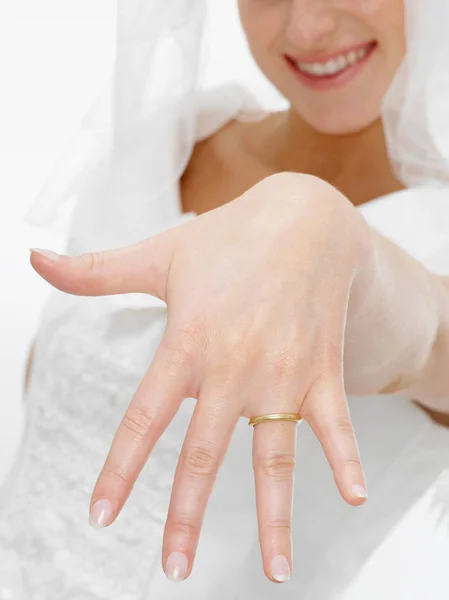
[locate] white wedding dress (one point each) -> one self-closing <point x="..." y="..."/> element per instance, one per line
<point x="91" y="354"/>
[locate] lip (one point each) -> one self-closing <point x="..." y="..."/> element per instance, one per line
<point x="332" y="81"/>
<point x="325" y="56"/>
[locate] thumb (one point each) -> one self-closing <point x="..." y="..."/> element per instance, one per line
<point x="141" y="267"/>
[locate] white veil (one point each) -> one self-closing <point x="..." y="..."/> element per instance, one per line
<point x="415" y="110"/>
<point x="107" y="167"/>
<point x="162" y="50"/>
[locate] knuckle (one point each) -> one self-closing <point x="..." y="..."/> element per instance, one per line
<point x="283" y="367"/>
<point x="184" y="528"/>
<point x="94" y="262"/>
<point x="300" y="186"/>
<point x="235" y="365"/>
<point x="138" y="421"/>
<point x="343" y="425"/>
<point x="181" y="340"/>
<point x="280" y="524"/>
<point x="278" y="468"/>
<point x="118" y="475"/>
<point x="95" y="269"/>
<point x="192" y="331"/>
<point x="288" y="178"/>
<point x="173" y="356"/>
<point x="228" y="366"/>
<point x="352" y="462"/>
<point x="199" y="461"/>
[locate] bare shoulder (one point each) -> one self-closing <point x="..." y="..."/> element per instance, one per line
<point x="206" y="161"/>
<point x="220" y="169"/>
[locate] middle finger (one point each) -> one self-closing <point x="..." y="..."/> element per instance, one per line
<point x="207" y="439"/>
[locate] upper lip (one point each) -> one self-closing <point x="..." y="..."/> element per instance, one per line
<point x="325" y="56"/>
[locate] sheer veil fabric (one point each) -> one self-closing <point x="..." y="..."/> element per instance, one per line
<point x="162" y="51"/>
<point x="416" y="119"/>
<point x="122" y="149"/>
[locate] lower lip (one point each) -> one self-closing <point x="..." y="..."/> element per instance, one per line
<point x="330" y="82"/>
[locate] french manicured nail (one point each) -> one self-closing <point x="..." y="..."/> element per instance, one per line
<point x="280" y="569"/>
<point x="176" y="566"/>
<point x="47" y="253"/>
<point x="359" y="491"/>
<point x="101" y="514"/>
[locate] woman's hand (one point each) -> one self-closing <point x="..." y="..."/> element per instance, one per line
<point x="257" y="294"/>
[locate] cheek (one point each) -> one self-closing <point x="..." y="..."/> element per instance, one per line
<point x="386" y="19"/>
<point x="392" y="44"/>
<point x="262" y="22"/>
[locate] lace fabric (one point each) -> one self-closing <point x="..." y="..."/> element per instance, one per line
<point x="70" y="424"/>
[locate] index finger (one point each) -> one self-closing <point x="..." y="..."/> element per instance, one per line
<point x="150" y="411"/>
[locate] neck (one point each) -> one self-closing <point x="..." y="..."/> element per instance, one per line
<point x="355" y="163"/>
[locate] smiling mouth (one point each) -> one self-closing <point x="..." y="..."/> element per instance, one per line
<point x="335" y="66"/>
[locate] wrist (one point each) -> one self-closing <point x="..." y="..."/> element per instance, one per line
<point x="431" y="390"/>
<point x="393" y="322"/>
<point x="368" y="277"/>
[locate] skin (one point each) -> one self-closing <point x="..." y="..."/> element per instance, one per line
<point x="236" y="342"/>
<point x="332" y="134"/>
<point x="297" y="27"/>
<point x="294" y="285"/>
<point x="233" y="349"/>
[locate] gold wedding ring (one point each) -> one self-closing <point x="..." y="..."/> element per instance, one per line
<point x="275" y="417"/>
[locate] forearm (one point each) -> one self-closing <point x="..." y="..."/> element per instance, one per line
<point x="397" y="337"/>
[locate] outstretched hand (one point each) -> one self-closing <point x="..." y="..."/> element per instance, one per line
<point x="257" y="296"/>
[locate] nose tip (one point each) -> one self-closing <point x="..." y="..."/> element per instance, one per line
<point x="307" y="27"/>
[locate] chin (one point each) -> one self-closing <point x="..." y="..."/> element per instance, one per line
<point x="344" y="110"/>
<point x="338" y="122"/>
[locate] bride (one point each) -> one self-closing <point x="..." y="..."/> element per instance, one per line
<point x="255" y="246"/>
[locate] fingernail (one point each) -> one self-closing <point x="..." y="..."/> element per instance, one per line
<point x="47" y="253"/>
<point x="101" y="514"/>
<point x="176" y="566"/>
<point x="280" y="569"/>
<point x="359" y="491"/>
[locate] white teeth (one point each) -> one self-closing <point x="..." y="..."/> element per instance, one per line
<point x="334" y="65"/>
<point x="342" y="62"/>
<point x="331" y="67"/>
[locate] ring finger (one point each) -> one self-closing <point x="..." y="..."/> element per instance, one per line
<point x="274" y="448"/>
